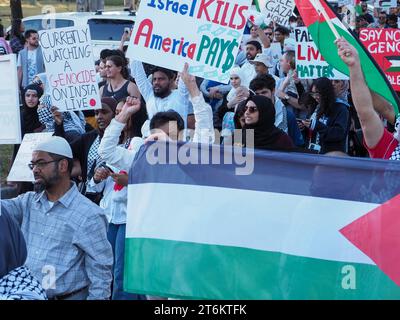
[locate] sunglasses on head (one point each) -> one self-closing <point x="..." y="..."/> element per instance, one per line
<point x="250" y="109"/>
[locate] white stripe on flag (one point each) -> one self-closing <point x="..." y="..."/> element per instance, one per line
<point x="292" y="224"/>
<point x="395" y="63"/>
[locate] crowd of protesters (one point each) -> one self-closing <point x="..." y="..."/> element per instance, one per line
<point x="73" y="217"/>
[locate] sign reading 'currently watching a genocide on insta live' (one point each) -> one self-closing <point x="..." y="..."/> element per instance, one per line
<point x="70" y="68"/>
<point x="206" y="34"/>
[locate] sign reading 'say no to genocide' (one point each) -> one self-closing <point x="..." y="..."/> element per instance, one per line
<point x="204" y="33"/>
<point x="384" y="46"/>
<point x="70" y="70"/>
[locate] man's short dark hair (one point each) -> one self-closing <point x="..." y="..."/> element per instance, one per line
<point x="161" y="118"/>
<point x="29" y="32"/>
<point x="169" y="73"/>
<point x="282" y="30"/>
<point x="265" y="81"/>
<point x="255" y="43"/>
<point x="58" y="157"/>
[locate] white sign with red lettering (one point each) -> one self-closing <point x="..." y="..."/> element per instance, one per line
<point x="70" y="68"/>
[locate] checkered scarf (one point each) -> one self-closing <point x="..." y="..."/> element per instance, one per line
<point x="19" y="284"/>
<point x="93" y="156"/>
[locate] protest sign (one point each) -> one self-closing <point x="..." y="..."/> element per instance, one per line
<point x="277" y="10"/>
<point x="20" y="170"/>
<point x="385" y="4"/>
<point x="342" y="3"/>
<point x="10" y="124"/>
<point x="205" y="34"/>
<point x="310" y="64"/>
<point x="384" y="46"/>
<point x="70" y="68"/>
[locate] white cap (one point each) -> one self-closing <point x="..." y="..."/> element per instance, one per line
<point x="236" y="71"/>
<point x="262" y="58"/>
<point x="56" y="145"/>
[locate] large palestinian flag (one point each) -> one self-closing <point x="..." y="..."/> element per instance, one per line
<point x="317" y="16"/>
<point x="299" y="227"/>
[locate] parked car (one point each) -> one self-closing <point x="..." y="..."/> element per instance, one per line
<point x="106" y="28"/>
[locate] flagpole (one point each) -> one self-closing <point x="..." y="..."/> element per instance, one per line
<point x="321" y="9"/>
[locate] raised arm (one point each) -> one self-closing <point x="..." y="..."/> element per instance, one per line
<point x="144" y="85"/>
<point x="204" y="128"/>
<point x="109" y="150"/>
<point x="371" y="124"/>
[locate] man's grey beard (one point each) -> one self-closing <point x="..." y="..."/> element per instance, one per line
<point x="46" y="184"/>
<point x="39" y="187"/>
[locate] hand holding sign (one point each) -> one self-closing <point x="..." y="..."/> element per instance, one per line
<point x="57" y="115"/>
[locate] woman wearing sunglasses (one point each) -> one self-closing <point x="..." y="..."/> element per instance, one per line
<point x="259" y="115"/>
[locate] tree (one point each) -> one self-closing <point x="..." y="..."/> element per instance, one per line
<point x="16" y="9"/>
<point x="89" y="5"/>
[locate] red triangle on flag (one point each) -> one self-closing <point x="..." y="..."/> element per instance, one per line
<point x="377" y="234"/>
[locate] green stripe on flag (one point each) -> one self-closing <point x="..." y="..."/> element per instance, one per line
<point x="198" y="271"/>
<point x="257" y="5"/>
<point x="324" y="39"/>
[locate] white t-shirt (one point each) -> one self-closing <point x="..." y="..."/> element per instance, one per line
<point x="32" y="68"/>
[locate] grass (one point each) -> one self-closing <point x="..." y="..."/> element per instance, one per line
<point x="5" y="160"/>
<point x="30" y="10"/>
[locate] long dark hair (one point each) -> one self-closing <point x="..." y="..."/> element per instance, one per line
<point x="16" y="29"/>
<point x="120" y="61"/>
<point x="327" y="93"/>
<point x="136" y="121"/>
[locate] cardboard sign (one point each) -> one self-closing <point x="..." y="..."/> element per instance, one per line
<point x="206" y="34"/>
<point x="10" y="123"/>
<point x="384" y="46"/>
<point x="310" y="64"/>
<point x="70" y="68"/>
<point x="278" y="10"/>
<point x="20" y="170"/>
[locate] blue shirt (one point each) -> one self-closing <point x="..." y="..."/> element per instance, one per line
<point x="67" y="242"/>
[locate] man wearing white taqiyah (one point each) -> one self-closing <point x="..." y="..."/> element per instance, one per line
<point x="65" y="232"/>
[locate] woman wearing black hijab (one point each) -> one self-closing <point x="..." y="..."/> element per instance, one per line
<point x="259" y="115"/>
<point x="30" y="120"/>
<point x="16" y="282"/>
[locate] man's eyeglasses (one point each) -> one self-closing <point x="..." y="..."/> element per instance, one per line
<point x="41" y="164"/>
<point x="314" y="94"/>
<point x="250" y="109"/>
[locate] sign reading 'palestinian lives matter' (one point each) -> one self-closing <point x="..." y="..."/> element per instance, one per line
<point x="70" y="68"/>
<point x="384" y="46"/>
<point x="204" y="33"/>
<point x="310" y="64"/>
